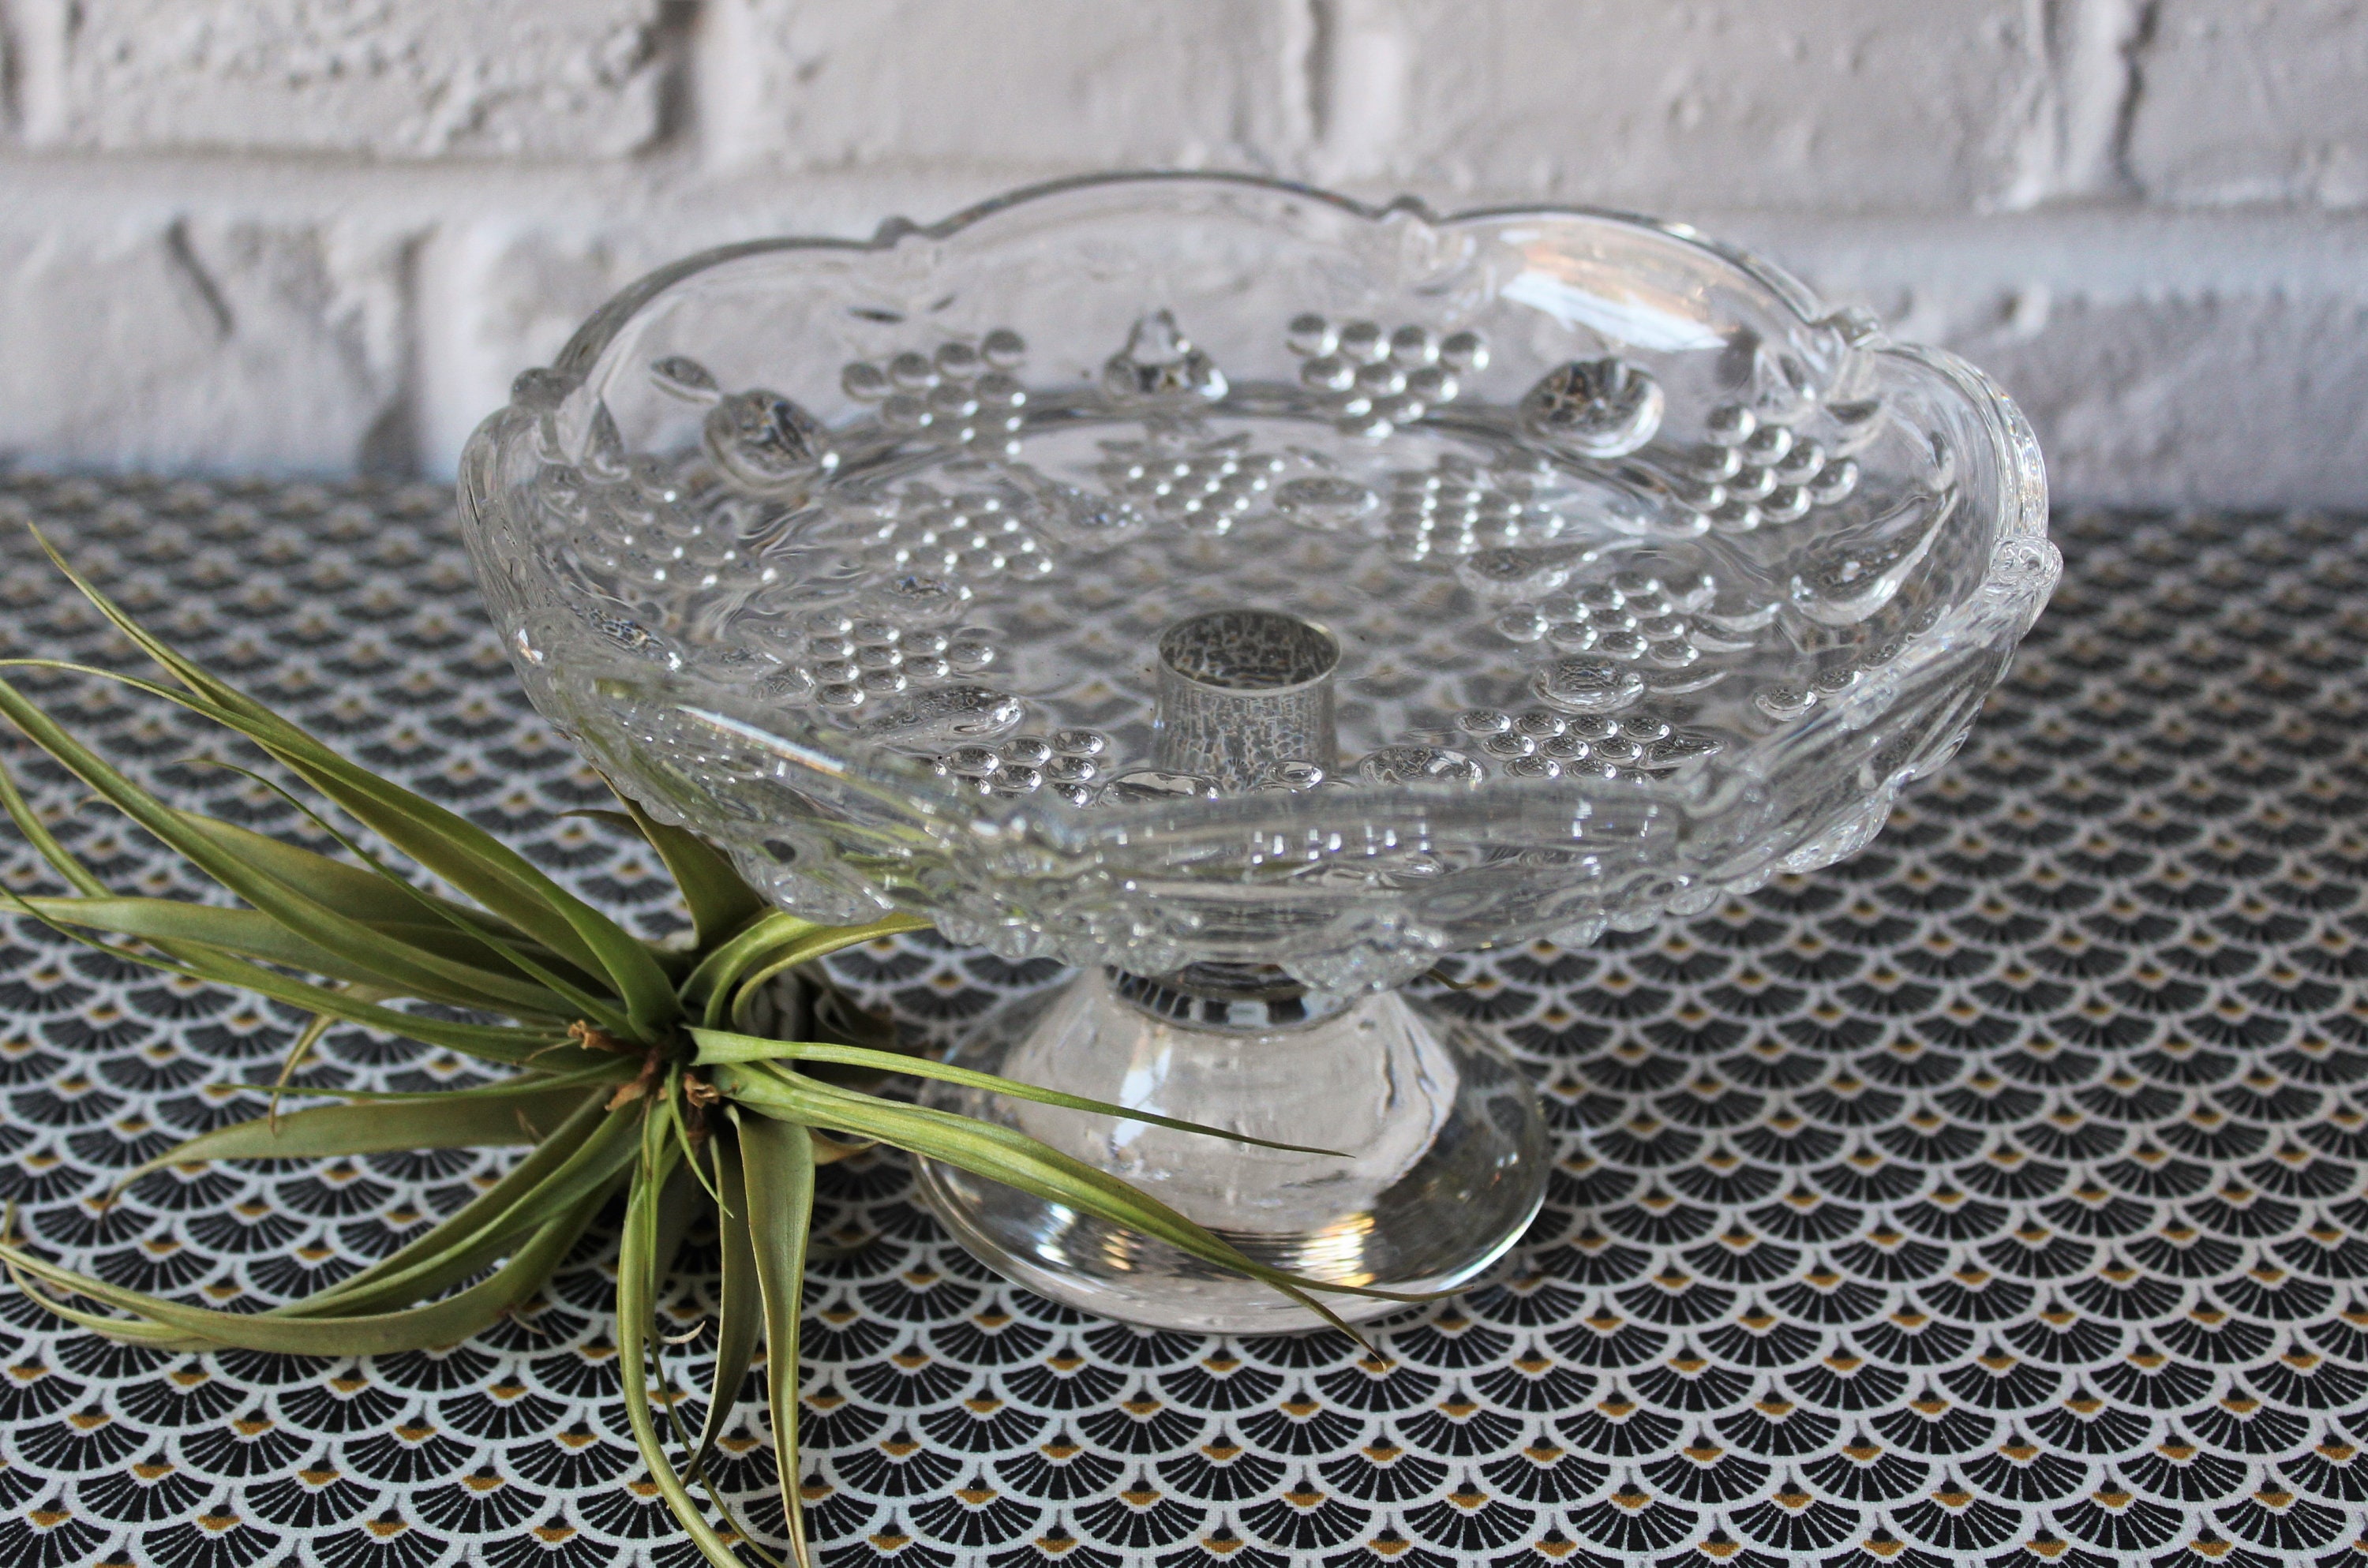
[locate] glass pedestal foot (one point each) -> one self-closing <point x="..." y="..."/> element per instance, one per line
<point x="1444" y="1159"/>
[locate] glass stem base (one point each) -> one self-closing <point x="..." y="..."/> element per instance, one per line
<point x="1442" y="1164"/>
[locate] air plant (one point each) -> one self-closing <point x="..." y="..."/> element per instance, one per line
<point x="648" y="1069"/>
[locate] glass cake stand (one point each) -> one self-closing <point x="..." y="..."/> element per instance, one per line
<point x="1250" y="596"/>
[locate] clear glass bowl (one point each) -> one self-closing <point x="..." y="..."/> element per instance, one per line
<point x="1254" y="593"/>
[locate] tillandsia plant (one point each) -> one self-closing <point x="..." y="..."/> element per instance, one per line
<point x="648" y="1069"/>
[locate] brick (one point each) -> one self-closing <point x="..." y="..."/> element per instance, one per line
<point x="498" y="299"/>
<point x="1837" y="105"/>
<point x="2213" y="399"/>
<point x="1040" y="85"/>
<point x="211" y="345"/>
<point x="407" y="79"/>
<point x="2254" y="102"/>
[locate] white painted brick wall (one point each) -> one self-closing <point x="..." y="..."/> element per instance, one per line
<point x="153" y="338"/>
<point x="1001" y="83"/>
<point x="1847" y="105"/>
<point x="2255" y="102"/>
<point x="316" y="235"/>
<point x="383" y="78"/>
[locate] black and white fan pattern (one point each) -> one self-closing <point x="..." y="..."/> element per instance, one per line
<point x="1997" y="1197"/>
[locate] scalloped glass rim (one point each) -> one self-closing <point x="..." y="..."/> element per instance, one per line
<point x="1970" y="639"/>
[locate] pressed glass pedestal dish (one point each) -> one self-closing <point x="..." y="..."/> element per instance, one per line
<point x="1249" y="598"/>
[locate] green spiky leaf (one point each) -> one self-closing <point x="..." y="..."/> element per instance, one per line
<point x="717" y="1048"/>
<point x="431" y="1121"/>
<point x="740" y="1309"/>
<point x="777" y="1162"/>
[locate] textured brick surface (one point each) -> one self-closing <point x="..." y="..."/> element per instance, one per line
<point x="413" y="78"/>
<point x="2103" y="200"/>
<point x="1842" y="104"/>
<point x="1041" y="83"/>
<point x="2175" y="400"/>
<point x="509" y="298"/>
<point x="2255" y="100"/>
<point x="187" y="344"/>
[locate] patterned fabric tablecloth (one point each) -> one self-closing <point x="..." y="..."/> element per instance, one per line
<point x="1995" y="1197"/>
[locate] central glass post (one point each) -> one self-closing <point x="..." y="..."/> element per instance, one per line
<point x="1246" y="699"/>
